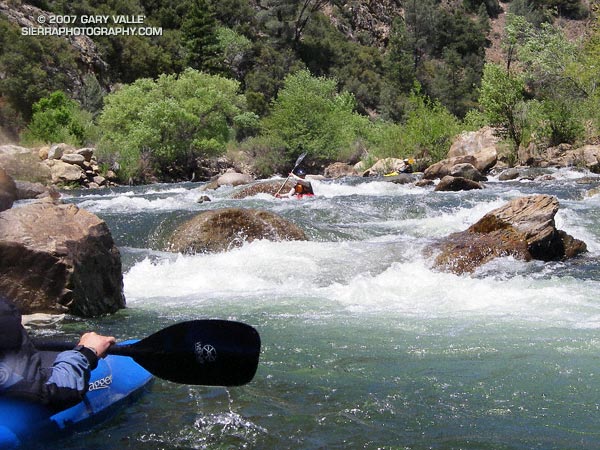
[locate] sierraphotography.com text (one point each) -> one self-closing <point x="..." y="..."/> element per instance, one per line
<point x="90" y="25"/>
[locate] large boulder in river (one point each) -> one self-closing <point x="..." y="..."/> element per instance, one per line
<point x="222" y="229"/>
<point x="59" y="258"/>
<point x="477" y="148"/>
<point x="8" y="190"/>
<point x="63" y="172"/>
<point x="467" y="171"/>
<point x="524" y="228"/>
<point x="270" y="187"/>
<point x="28" y="191"/>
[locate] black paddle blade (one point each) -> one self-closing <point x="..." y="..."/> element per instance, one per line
<point x="201" y="352"/>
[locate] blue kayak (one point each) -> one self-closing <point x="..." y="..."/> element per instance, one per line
<point x="116" y="381"/>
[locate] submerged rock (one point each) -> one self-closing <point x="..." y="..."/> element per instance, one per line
<point x="57" y="259"/>
<point x="222" y="229"/>
<point x="524" y="228"/>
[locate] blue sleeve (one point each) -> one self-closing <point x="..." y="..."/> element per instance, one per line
<point x="69" y="378"/>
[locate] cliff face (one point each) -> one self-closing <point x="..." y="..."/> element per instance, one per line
<point x="373" y="18"/>
<point x="88" y="56"/>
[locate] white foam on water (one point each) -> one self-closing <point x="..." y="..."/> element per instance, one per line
<point x="371" y="188"/>
<point x="573" y="223"/>
<point x="414" y="290"/>
<point x="150" y="201"/>
<point x="254" y="269"/>
<point x="441" y="222"/>
<point x="348" y="276"/>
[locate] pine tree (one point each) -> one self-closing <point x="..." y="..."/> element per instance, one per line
<point x="200" y="39"/>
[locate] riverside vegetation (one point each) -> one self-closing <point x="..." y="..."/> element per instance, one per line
<point x="264" y="81"/>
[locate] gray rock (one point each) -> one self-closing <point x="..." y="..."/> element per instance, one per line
<point x="234" y="179"/>
<point x="63" y="172"/>
<point x="73" y="158"/>
<point x="467" y="171"/>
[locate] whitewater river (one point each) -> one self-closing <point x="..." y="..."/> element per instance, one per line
<point x="364" y="345"/>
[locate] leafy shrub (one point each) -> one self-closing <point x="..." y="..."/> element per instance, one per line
<point x="562" y="122"/>
<point x="426" y="134"/>
<point x="57" y="118"/>
<point x="502" y="98"/>
<point x="168" y="123"/>
<point x="310" y="115"/>
<point x="268" y="155"/>
<point x="429" y="128"/>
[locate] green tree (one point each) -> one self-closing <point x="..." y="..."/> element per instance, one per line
<point x="32" y="67"/>
<point x="492" y="6"/>
<point x="157" y="129"/>
<point x="285" y="20"/>
<point x="235" y="14"/>
<point x="92" y="94"/>
<point x="357" y="67"/>
<point x="399" y="70"/>
<point x="426" y="133"/>
<point x="57" y="118"/>
<point x="235" y="49"/>
<point x="200" y="37"/>
<point x="429" y="127"/>
<point x="265" y="77"/>
<point x="310" y="115"/>
<point x="502" y="100"/>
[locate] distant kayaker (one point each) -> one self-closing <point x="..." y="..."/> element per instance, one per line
<point x="22" y="372"/>
<point x="302" y="186"/>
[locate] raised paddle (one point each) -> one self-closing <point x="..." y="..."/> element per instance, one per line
<point x="298" y="161"/>
<point x="203" y="352"/>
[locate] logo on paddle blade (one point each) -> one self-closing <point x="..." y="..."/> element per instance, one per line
<point x="205" y="353"/>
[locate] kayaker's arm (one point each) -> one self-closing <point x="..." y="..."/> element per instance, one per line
<point x="70" y="373"/>
<point x="69" y="378"/>
<point x="60" y="386"/>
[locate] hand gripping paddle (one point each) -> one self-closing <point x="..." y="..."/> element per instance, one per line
<point x="201" y="352"/>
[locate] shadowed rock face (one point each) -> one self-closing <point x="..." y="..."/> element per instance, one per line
<point x="523" y="228"/>
<point x="8" y="190"/>
<point x="223" y="229"/>
<point x="59" y="258"/>
<point x="449" y="183"/>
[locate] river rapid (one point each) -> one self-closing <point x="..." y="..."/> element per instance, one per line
<point x="364" y="345"/>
